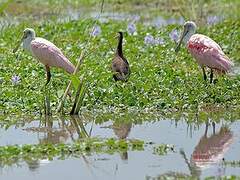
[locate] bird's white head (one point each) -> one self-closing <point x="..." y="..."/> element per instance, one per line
<point x="29" y="33"/>
<point x="189" y="28"/>
<point x="28" y="36"/>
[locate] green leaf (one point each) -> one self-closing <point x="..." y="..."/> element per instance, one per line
<point x="75" y="81"/>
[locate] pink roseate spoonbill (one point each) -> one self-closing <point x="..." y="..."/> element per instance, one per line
<point x="120" y="66"/>
<point x="45" y="51"/>
<point x="205" y="50"/>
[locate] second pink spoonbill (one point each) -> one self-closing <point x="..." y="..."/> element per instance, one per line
<point x="205" y="50"/>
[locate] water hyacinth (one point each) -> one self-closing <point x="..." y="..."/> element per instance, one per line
<point x="96" y="30"/>
<point x="174" y="35"/>
<point x="149" y="39"/>
<point x="181" y="21"/>
<point x="159" y="41"/>
<point x="171" y="21"/>
<point x="135" y="18"/>
<point x="211" y="20"/>
<point x="131" y="29"/>
<point x="15" y="79"/>
<point x="159" y="22"/>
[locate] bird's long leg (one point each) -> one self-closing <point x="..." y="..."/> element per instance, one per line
<point x="213" y="125"/>
<point x="206" y="129"/>
<point x="47" y="107"/>
<point x="48" y="74"/>
<point x="46" y="101"/>
<point x="204" y="74"/>
<point x="211" y="76"/>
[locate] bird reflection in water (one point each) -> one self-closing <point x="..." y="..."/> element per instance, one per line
<point x="59" y="132"/>
<point x="122" y="130"/>
<point x="209" y="150"/>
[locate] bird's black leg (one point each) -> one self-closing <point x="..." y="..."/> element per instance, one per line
<point x="206" y="129"/>
<point x="204" y="74"/>
<point x="115" y="77"/>
<point x="211" y="76"/>
<point x="213" y="125"/>
<point x="48" y="75"/>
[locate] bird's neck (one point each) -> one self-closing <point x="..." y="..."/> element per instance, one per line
<point x="27" y="43"/>
<point x="119" y="47"/>
<point x="188" y="36"/>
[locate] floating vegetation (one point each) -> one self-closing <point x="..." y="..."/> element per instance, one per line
<point x="166" y="82"/>
<point x="232" y="177"/>
<point x="163" y="149"/>
<point x="14" y="153"/>
<point x="231" y="163"/>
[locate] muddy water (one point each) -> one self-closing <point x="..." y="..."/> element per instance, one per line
<point x="199" y="149"/>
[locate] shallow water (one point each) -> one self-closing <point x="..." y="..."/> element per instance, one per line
<point x="195" y="154"/>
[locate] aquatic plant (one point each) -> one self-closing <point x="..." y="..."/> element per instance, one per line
<point x="15" y="79"/>
<point x="14" y="153"/>
<point x="159" y="41"/>
<point x="149" y="39"/>
<point x="163" y="149"/>
<point x="96" y="31"/>
<point x="174" y="35"/>
<point x="211" y="20"/>
<point x="159" y="79"/>
<point x="131" y="29"/>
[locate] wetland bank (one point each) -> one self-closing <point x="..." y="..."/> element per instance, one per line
<point x="164" y="122"/>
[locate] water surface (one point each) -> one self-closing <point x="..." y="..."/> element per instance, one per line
<point x="199" y="149"/>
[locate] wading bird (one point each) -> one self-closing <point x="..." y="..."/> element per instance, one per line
<point x="45" y="51"/>
<point x="205" y="50"/>
<point x="120" y="66"/>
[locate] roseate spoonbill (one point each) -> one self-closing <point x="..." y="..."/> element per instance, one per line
<point x="120" y="66"/>
<point x="205" y="50"/>
<point x="45" y="51"/>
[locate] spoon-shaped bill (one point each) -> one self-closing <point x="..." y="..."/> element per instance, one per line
<point x="18" y="44"/>
<point x="184" y="33"/>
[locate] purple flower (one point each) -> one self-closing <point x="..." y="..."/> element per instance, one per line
<point x="211" y="20"/>
<point x="174" y="35"/>
<point x="171" y="21"/>
<point x="159" y="41"/>
<point x="135" y="18"/>
<point x="131" y="29"/>
<point x="15" y="79"/>
<point x="96" y="30"/>
<point x="159" y="21"/>
<point x="149" y="39"/>
<point x="181" y="21"/>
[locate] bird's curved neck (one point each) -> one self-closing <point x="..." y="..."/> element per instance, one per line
<point x="27" y="43"/>
<point x="119" y="47"/>
<point x="188" y="36"/>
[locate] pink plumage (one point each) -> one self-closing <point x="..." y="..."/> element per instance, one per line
<point x="45" y="51"/>
<point x="49" y="55"/>
<point x="208" y="53"/>
<point x="205" y="50"/>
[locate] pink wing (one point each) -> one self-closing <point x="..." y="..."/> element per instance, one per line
<point x="48" y="54"/>
<point x="208" y="53"/>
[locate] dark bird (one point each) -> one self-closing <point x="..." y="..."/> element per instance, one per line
<point x="120" y="66"/>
